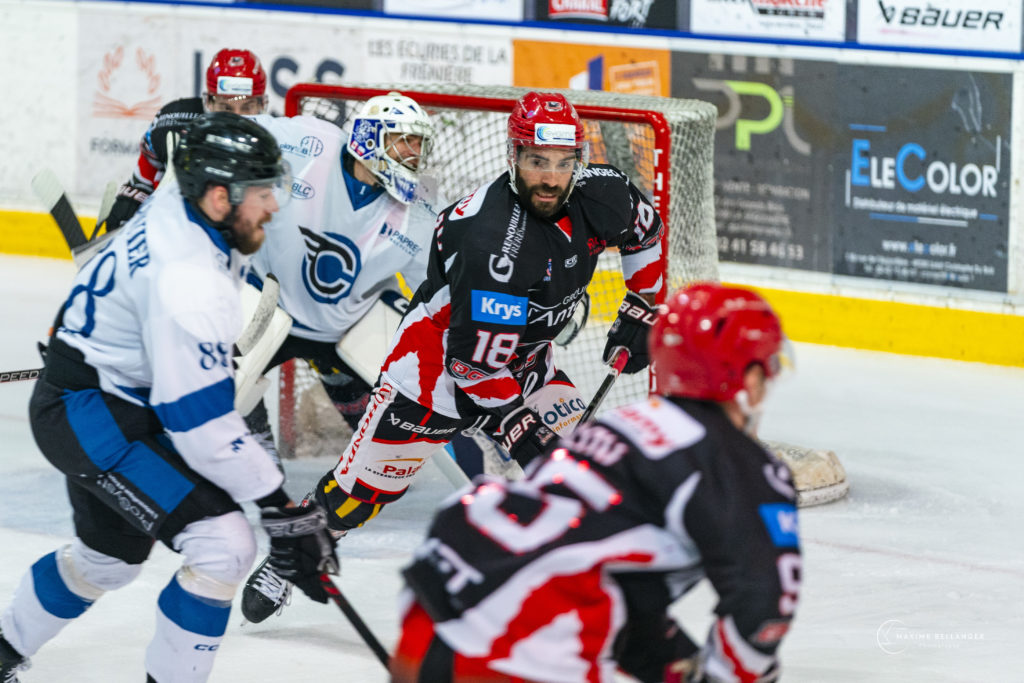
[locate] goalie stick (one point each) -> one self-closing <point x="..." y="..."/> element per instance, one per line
<point x="336" y="596"/>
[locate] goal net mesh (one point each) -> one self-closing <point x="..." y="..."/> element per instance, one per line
<point x="664" y="145"/>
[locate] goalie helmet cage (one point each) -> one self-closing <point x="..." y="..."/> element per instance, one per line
<point x="664" y="145"/>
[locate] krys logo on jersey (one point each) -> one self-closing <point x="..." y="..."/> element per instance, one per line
<point x="498" y="308"/>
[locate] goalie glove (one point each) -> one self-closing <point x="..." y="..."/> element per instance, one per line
<point x="301" y="548"/>
<point x="523" y="435"/>
<point x="629" y="331"/>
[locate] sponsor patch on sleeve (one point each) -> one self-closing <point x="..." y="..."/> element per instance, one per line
<point x="781" y="522"/>
<point x="498" y="308"/>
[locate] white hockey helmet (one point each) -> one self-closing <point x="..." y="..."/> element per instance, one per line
<point x="392" y="136"/>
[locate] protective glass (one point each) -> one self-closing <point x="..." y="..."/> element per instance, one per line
<point x="243" y="105"/>
<point x="278" y="189"/>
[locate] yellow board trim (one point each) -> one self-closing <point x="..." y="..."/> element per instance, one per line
<point x="818" y="318"/>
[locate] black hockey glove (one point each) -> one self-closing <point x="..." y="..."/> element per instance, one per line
<point x="301" y="548"/>
<point x="523" y="435"/>
<point x="629" y="331"/>
<point x="124" y="207"/>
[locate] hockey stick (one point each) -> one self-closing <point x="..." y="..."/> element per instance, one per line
<point x="613" y="373"/>
<point x="49" y="191"/>
<point x="250" y="335"/>
<point x="261" y="316"/>
<point x="106" y="203"/>
<point x="18" y="375"/>
<point x="334" y="593"/>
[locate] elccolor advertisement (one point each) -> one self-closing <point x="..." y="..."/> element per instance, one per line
<point x="921" y="177"/>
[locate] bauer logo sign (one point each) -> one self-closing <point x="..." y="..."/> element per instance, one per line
<point x="990" y="25"/>
<point x="799" y="19"/>
<point x="633" y="13"/>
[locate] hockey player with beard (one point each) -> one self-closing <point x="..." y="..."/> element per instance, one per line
<point x="235" y="82"/>
<point x="135" y="406"/>
<point x="508" y="264"/>
<point x="568" y="575"/>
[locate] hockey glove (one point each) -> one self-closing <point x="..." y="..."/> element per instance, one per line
<point x="523" y="435"/>
<point x="629" y="331"/>
<point x="301" y="548"/>
<point x="125" y="206"/>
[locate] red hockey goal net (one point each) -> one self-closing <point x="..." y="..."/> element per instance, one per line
<point x="665" y="145"/>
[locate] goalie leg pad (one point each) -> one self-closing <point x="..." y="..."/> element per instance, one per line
<point x="249" y="381"/>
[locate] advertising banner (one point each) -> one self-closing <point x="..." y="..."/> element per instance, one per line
<point x="952" y="24"/>
<point x="922" y="176"/>
<point x="794" y="19"/>
<point x="774" y="136"/>
<point x="123" y="79"/>
<point x="661" y="14"/>
<point x="591" y="67"/>
<point x="496" y="10"/>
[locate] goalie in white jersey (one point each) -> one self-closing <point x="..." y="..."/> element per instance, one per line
<point x="135" y="407"/>
<point x="360" y="212"/>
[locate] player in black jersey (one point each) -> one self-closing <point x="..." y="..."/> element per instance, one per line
<point x="508" y="265"/>
<point x="235" y="82"/>
<point x="568" y="575"/>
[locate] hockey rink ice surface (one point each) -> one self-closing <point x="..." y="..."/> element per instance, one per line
<point x="918" y="575"/>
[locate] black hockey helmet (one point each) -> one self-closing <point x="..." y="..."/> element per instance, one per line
<point x="220" y="148"/>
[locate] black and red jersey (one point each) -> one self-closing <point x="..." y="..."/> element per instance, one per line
<point x="571" y="570"/>
<point x="502" y="282"/>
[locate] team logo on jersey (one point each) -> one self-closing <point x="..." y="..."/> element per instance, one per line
<point x="330" y="265"/>
<point x="309" y="146"/>
<point x="302" y="190"/>
<point x="495" y="307"/>
<point x="781" y="522"/>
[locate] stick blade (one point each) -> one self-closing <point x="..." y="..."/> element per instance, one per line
<point x="51" y="193"/>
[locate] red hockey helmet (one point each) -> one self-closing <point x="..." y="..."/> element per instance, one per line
<point x="706" y="337"/>
<point x="236" y="76"/>
<point x="546" y="119"/>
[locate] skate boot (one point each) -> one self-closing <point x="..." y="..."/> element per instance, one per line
<point x="264" y="594"/>
<point x="11" y="662"/>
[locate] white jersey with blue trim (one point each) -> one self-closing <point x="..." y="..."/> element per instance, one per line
<point x="156" y="313"/>
<point x="338" y="243"/>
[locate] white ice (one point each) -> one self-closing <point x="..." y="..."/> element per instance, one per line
<point x="916" y="576"/>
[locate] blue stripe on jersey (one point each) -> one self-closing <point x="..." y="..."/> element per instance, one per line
<point x="199" y="407"/>
<point x="105" y="444"/>
<point x="781" y="521"/>
<point x="141" y="393"/>
<point x="192" y="612"/>
<point x="214" y="235"/>
<point x="54" y="595"/>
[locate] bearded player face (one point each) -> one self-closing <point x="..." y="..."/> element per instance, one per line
<point x="544" y="178"/>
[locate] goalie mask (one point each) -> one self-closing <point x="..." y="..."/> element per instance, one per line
<point x="236" y="82"/>
<point x="543" y="119"/>
<point x="392" y="136"/>
<point x="707" y="336"/>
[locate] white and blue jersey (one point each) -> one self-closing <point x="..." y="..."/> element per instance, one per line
<point x="338" y="243"/>
<point x="156" y="314"/>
